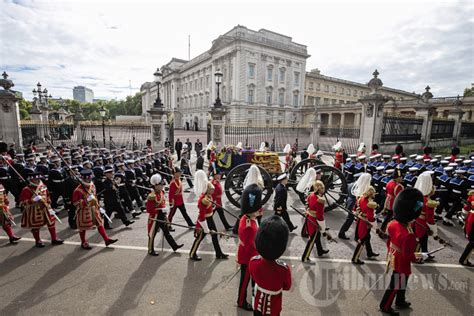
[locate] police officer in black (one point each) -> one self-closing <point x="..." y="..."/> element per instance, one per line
<point x="279" y="203"/>
<point x="112" y="201"/>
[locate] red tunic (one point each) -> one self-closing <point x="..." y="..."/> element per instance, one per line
<point x="401" y="245"/>
<point x="397" y="157"/>
<point x="5" y="216"/>
<point x="155" y="202"/>
<point x="469" y="205"/>
<point x="288" y="161"/>
<point x="366" y="211"/>
<point x="314" y="213"/>
<point x="426" y="217"/>
<point x="87" y="212"/>
<point x="339" y="160"/>
<point x="453" y="158"/>
<point x="392" y="190"/>
<point x="175" y="193"/>
<point x="206" y="209"/>
<point x="247" y="231"/>
<point x="36" y="214"/>
<point x="217" y="195"/>
<point x="271" y="278"/>
<point x="426" y="156"/>
<point x="213" y="157"/>
<point x="468" y="226"/>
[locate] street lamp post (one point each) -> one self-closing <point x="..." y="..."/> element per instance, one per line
<point x="158" y="77"/>
<point x="218" y="76"/>
<point x="102" y="114"/>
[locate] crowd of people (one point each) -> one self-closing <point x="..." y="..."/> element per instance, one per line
<point x="407" y="195"/>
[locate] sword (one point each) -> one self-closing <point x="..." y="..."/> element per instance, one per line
<point x="232" y="277"/>
<point x="329" y="237"/>
<point x="373" y="285"/>
<point x="52" y="212"/>
<point x="107" y="217"/>
<point x="212" y="232"/>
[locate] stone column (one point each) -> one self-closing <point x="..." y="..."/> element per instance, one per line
<point x="10" y="130"/>
<point x="356" y="119"/>
<point x="158" y="127"/>
<point x="372" y="113"/>
<point x="218" y="125"/>
<point x="341" y="122"/>
<point x="329" y="119"/>
<point x="456" y="114"/>
<point x="427" y="114"/>
<point x="316" y="129"/>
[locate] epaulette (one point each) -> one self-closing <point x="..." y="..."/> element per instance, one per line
<point x="151" y="196"/>
<point x="372" y="205"/>
<point x="256" y="257"/>
<point x="321" y="199"/>
<point x="281" y="263"/>
<point x="432" y="203"/>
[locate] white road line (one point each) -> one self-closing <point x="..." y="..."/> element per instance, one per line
<point x="293" y="258"/>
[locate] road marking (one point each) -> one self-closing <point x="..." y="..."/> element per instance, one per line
<point x="293" y="258"/>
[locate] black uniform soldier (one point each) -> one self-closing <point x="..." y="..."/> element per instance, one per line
<point x="190" y="148"/>
<point x="123" y="191"/>
<point x="130" y="180"/>
<point x="178" y="147"/>
<point x="199" y="161"/>
<point x="186" y="168"/>
<point x="112" y="198"/>
<point x="56" y="181"/>
<point x="198" y="147"/>
<point x="19" y="166"/>
<point x="279" y="204"/>
<point x="70" y="184"/>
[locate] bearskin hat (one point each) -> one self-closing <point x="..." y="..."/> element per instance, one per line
<point x="455" y="151"/>
<point x="251" y="200"/>
<point x="408" y="205"/>
<point x="272" y="238"/>
<point x="399" y="149"/>
<point x="3" y="147"/>
<point x="427" y="150"/>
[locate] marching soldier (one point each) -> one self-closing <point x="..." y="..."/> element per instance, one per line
<point x="393" y="188"/>
<point x="112" y="201"/>
<point x="6" y="218"/>
<point x="365" y="207"/>
<point x="175" y="197"/>
<point x="468" y="230"/>
<point x="279" y="203"/>
<point x="70" y="184"/>
<point x="217" y="197"/>
<point x="205" y="224"/>
<point x="444" y="191"/>
<point x="271" y="276"/>
<point x="156" y="209"/>
<point x="88" y="210"/>
<point x="401" y="248"/>
<point x="6" y="180"/>
<point x="425" y="224"/>
<point x="18" y="183"/>
<point x="37" y="211"/>
<point x="350" y="203"/>
<point x="459" y="187"/>
<point x="250" y="204"/>
<point x="56" y="181"/>
<point x="130" y="180"/>
<point x="315" y="223"/>
<point x="339" y="158"/>
<point x="289" y="161"/>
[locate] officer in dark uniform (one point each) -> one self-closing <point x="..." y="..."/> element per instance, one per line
<point x="98" y="171"/>
<point x="443" y="194"/>
<point x="56" y="179"/>
<point x="140" y="174"/>
<point x="127" y="204"/>
<point x="6" y="179"/>
<point x="361" y="165"/>
<point x="130" y="181"/>
<point x="378" y="186"/>
<point x="392" y="164"/>
<point x="19" y="166"/>
<point x="112" y="198"/>
<point x="70" y="184"/>
<point x="349" y="168"/>
<point x="43" y="167"/>
<point x="279" y="203"/>
<point x="459" y="186"/>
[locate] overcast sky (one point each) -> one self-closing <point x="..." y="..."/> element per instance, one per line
<point x="105" y="45"/>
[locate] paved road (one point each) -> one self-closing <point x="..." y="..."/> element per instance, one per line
<point x="65" y="279"/>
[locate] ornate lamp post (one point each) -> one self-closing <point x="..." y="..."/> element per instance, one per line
<point x="158" y="75"/>
<point x="218" y="77"/>
<point x="102" y="112"/>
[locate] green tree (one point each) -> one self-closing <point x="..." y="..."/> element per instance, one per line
<point x="24" y="106"/>
<point x="469" y="92"/>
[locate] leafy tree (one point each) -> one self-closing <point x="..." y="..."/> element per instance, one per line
<point x="469" y="92"/>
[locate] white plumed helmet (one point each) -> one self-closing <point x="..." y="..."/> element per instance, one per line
<point x="253" y="177"/>
<point x="337" y="146"/>
<point x="361" y="147"/>
<point x="200" y="182"/>
<point x="239" y="145"/>
<point x="155" y="179"/>
<point x="306" y="181"/>
<point x="287" y="148"/>
<point x="362" y="184"/>
<point x="311" y="149"/>
<point x="262" y="147"/>
<point x="424" y="183"/>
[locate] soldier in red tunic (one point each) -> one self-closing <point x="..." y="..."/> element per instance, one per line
<point x="315" y="223"/>
<point x="6" y="218"/>
<point x="37" y="212"/>
<point x="155" y="207"/>
<point x="365" y="208"/>
<point x="339" y="158"/>
<point x="289" y="161"/>
<point x="88" y="210"/>
<point x="205" y="223"/>
<point x="393" y="188"/>
<point x="401" y="245"/>
<point x="468" y="230"/>
<point x="271" y="276"/>
<point x="250" y="202"/>
<point x="217" y="197"/>
<point x="175" y="197"/>
<point x="425" y="224"/>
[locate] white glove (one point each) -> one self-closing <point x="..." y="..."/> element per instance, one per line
<point x="424" y="255"/>
<point x="37" y="198"/>
<point x="102" y="211"/>
<point x="434" y="229"/>
<point x="322" y="226"/>
<point x="204" y="226"/>
<point x="51" y="211"/>
<point x="90" y="198"/>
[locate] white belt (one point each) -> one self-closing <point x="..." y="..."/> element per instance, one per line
<point x="58" y="181"/>
<point x="457" y="191"/>
<point x="265" y="291"/>
<point x="4" y="178"/>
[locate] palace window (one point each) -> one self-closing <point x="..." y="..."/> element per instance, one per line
<point x="326" y="88"/>
<point x="296" y="99"/>
<point x="318" y="86"/>
<point x="311" y="85"/>
<point x="334" y="89"/>
<point x="297" y="78"/>
<point x="270" y="73"/>
<point x="269" y="96"/>
<point x="348" y="92"/>
<point x="251" y="70"/>
<point x="281" y="98"/>
<point x="282" y="74"/>
<point x="251" y="95"/>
